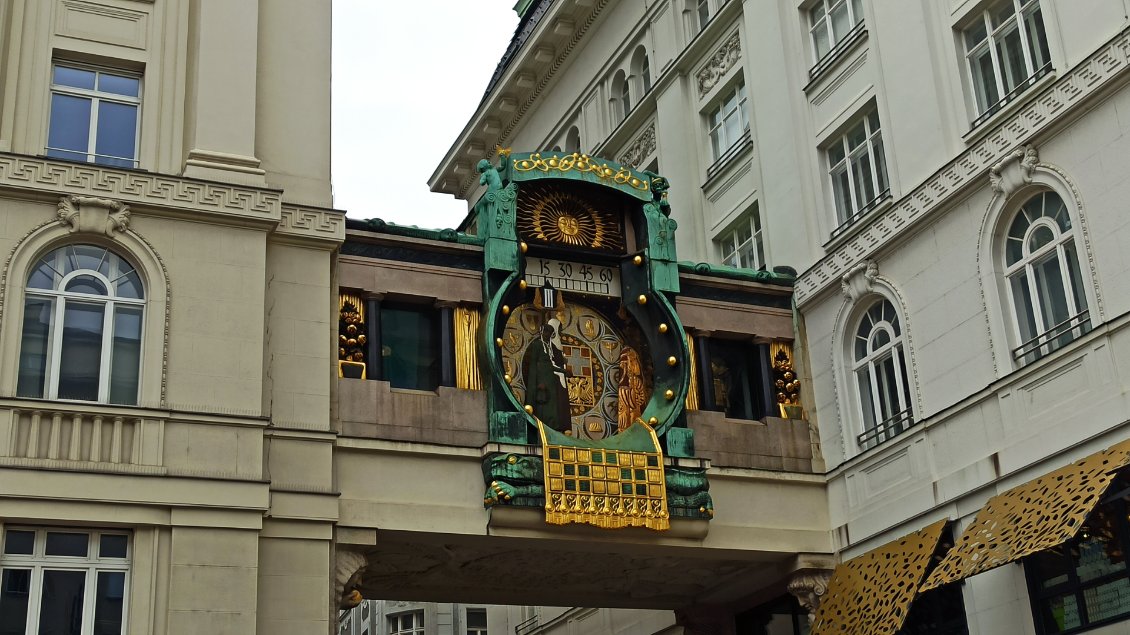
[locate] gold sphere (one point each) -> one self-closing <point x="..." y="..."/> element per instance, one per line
<point x="505" y="310"/>
<point x="528" y="408"/>
<point x="653" y="420"/>
<point x="670" y="394"/>
<point x="523" y="246"/>
<point x="511" y="460"/>
<point x="522" y="285"/>
<point x="498" y="341"/>
<point x="702" y="510"/>
<point x="663" y="328"/>
<point x="506" y="377"/>
<point x="672" y="361"/>
<point x="642" y="299"/>
<point x="638" y="260"/>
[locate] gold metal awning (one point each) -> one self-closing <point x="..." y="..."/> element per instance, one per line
<point x="1038" y="515"/>
<point x="872" y="593"/>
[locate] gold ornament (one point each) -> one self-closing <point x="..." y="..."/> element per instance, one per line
<point x="663" y="328"/>
<point x="638" y="260"/>
<point x="499" y="342"/>
<point x="522" y="285"/>
<point x="670" y="394"/>
<point x="528" y="408"/>
<point x="506" y="377"/>
<point x="672" y="361"/>
<point x="505" y="310"/>
<point x="653" y="420"/>
<point x="642" y="299"/>
<point x="523" y="246"/>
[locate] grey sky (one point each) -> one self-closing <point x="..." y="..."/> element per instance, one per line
<point x="406" y="77"/>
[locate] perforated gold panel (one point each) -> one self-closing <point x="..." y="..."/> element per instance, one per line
<point x="1040" y="514"/>
<point x="872" y="593"/>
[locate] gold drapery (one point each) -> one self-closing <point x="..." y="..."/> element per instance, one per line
<point x="872" y="593"/>
<point x="610" y="487"/>
<point x="692" y="392"/>
<point x="1040" y="514"/>
<point x="467" y="373"/>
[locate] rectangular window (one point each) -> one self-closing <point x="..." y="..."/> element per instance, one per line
<point x="63" y="581"/>
<point x="1007" y="51"/>
<point x="410" y="346"/>
<point x="858" y="171"/>
<point x="94" y="116"/>
<point x="476" y="622"/>
<point x="832" y="21"/>
<point x="728" y="121"/>
<point x="407" y="623"/>
<point x="1085" y="582"/>
<point x="703" y="14"/>
<point x="742" y="245"/>
<point x="736" y="384"/>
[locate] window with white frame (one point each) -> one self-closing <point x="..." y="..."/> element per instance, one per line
<point x="728" y="120"/>
<point x="702" y="13"/>
<point x="621" y="97"/>
<point x="63" y="581"/>
<point x="879" y="367"/>
<point x="831" y="23"/>
<point x="476" y="622"/>
<point x="742" y="246"/>
<point x="1045" y="284"/>
<point x="407" y="623"/>
<point x="82" y="317"/>
<point x="858" y="170"/>
<point x="1007" y="50"/>
<point x="94" y="115"/>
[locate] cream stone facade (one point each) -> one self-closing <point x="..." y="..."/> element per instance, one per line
<point x="956" y="115"/>
<point x="216" y="464"/>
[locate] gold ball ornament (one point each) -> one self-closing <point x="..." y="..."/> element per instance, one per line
<point x="528" y="408"/>
<point x="663" y="327"/>
<point x="670" y="394"/>
<point x="653" y="420"/>
<point x="505" y="309"/>
<point x="523" y="246"/>
<point x="642" y="299"/>
<point x="498" y="342"/>
<point x="638" y="260"/>
<point x="522" y="285"/>
<point x="672" y="361"/>
<point x="506" y="377"/>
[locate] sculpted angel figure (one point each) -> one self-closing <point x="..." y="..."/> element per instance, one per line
<point x="630" y="390"/>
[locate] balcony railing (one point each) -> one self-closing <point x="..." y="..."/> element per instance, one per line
<point x="829" y="58"/>
<point x="861" y="214"/>
<point x="527" y="626"/>
<point x="741" y="145"/>
<point x="1053" y="338"/>
<point x="886" y="430"/>
<point x="1011" y="95"/>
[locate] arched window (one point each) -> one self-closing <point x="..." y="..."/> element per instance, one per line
<point x="1045" y="285"/>
<point x="621" y="97"/>
<point x="879" y="366"/>
<point x="573" y="140"/>
<point x="641" y="70"/>
<point x="83" y="310"/>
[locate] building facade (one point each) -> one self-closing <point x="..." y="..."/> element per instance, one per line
<point x="946" y="178"/>
<point x="165" y="394"/>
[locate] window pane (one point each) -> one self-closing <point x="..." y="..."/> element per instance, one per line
<point x="86" y="284"/>
<point x="1049" y="285"/>
<point x="863" y="180"/>
<point x="33" y="347"/>
<point x="125" y="362"/>
<point x="128" y="86"/>
<point x="117" y="134"/>
<point x="476" y="618"/>
<point x="984" y="80"/>
<point x="857" y="10"/>
<point x="1072" y="261"/>
<point x="1050" y="568"/>
<point x="67" y="544"/>
<point x="70" y="126"/>
<point x="841" y="21"/>
<point x="112" y="546"/>
<point x="81" y="356"/>
<point x="842" y="193"/>
<point x="888" y="388"/>
<point x="60" y="611"/>
<point x="1059" y="614"/>
<point x="19" y="542"/>
<point x="86" y="257"/>
<point x="15" y="588"/>
<point x="866" y="400"/>
<point x="1011" y="57"/>
<point x="820" y="39"/>
<point x="1107" y="600"/>
<point x="74" y="77"/>
<point x="1022" y="300"/>
<point x="410" y="347"/>
<point x="880" y="164"/>
<point x="129" y="285"/>
<point x="1041" y="236"/>
<point x="1037" y="39"/>
<point x="975" y="35"/>
<point x="108" y="603"/>
<point x="43" y="277"/>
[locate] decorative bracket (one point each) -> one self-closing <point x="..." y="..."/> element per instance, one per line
<point x="1014" y="170"/>
<point x="809" y="586"/>
<point x="348" y="569"/>
<point x="859" y="280"/>
<point x="87" y="214"/>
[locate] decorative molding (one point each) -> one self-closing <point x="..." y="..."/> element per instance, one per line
<point x="87" y="214"/>
<point x="640" y="149"/>
<point x="719" y="64"/>
<point x="137" y="188"/>
<point x="859" y="280"/>
<point x="809" y="586"/>
<point x="312" y="222"/>
<point x="532" y="95"/>
<point x="1070" y="91"/>
<point x="349" y="566"/>
<point x="1014" y="171"/>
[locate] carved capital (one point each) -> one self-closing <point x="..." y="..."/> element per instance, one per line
<point x="808" y="586"/>
<point x="348" y="569"/>
<point x="859" y="280"/>
<point x="1014" y="170"/>
<point x="87" y="214"/>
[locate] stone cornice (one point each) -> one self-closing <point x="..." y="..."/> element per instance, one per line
<point x="305" y="223"/>
<point x="1076" y="86"/>
<point x="138" y="189"/>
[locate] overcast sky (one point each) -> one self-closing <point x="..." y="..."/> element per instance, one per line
<point x="406" y="77"/>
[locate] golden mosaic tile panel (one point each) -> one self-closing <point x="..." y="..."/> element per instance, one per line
<point x="872" y="593"/>
<point x="1038" y="515"/>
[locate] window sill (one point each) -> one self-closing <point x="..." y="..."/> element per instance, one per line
<point x="832" y="58"/>
<point x="843" y="232"/>
<point x="981" y="126"/>
<point x="730" y="157"/>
